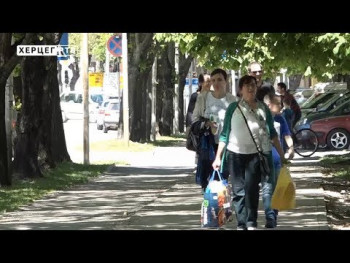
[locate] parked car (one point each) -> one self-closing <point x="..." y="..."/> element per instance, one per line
<point x="334" y="101"/>
<point x="340" y="110"/>
<point x="303" y="95"/>
<point x="316" y="99"/>
<point x="111" y="118"/>
<point x="333" y="132"/>
<point x="101" y="115"/>
<point x="72" y="106"/>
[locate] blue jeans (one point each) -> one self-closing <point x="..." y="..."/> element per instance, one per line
<point x="245" y="176"/>
<point x="267" y="194"/>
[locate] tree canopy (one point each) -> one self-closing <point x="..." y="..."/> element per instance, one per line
<point x="319" y="55"/>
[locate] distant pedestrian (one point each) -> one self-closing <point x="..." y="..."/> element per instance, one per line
<point x="256" y="70"/>
<point x="285" y="95"/>
<point x="204" y="84"/>
<point x="203" y="80"/>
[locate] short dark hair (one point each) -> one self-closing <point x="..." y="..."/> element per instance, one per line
<point x="219" y="71"/>
<point x="201" y="78"/>
<point x="246" y="79"/>
<point x="282" y="85"/>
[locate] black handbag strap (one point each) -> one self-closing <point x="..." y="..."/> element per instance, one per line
<point x="250" y="132"/>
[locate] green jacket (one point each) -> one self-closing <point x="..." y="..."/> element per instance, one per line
<point x="225" y="134"/>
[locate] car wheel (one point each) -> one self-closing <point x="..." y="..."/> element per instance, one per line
<point x="64" y="117"/>
<point x="338" y="139"/>
<point x="105" y="129"/>
<point x="99" y="127"/>
<point x="92" y="117"/>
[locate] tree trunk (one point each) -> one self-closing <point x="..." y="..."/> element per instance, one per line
<point x="140" y="65"/>
<point x="148" y="99"/>
<point x="5" y="44"/>
<point x="75" y="70"/>
<point x="27" y="148"/>
<point x="184" y="66"/>
<point x="294" y="81"/>
<point x="52" y="145"/>
<point x="166" y="84"/>
<point x="8" y="61"/>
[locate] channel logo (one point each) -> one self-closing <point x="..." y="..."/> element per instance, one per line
<point x="61" y="51"/>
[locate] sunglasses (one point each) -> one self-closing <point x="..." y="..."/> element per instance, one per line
<point x="254" y="72"/>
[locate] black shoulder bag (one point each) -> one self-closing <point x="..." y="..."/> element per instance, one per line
<point x="264" y="162"/>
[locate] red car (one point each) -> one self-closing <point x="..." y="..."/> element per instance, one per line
<point x="333" y="132"/>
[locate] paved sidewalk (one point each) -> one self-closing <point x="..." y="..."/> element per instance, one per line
<point x="157" y="191"/>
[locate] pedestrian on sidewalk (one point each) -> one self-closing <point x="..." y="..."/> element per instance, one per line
<point x="284" y="135"/>
<point x="204" y="85"/>
<point x="245" y="117"/>
<point x="285" y="95"/>
<point x="209" y="114"/>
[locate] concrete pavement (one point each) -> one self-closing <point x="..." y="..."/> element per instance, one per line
<point x="157" y="191"/>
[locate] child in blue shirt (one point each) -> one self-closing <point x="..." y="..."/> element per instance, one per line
<point x="284" y="134"/>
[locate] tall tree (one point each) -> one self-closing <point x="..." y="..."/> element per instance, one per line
<point x="8" y="61"/>
<point x="184" y="66"/>
<point x="53" y="147"/>
<point x="142" y="49"/>
<point x="27" y="147"/>
<point x="41" y="140"/>
<point x="166" y="76"/>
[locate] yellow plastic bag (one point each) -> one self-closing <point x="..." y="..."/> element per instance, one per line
<point x="283" y="197"/>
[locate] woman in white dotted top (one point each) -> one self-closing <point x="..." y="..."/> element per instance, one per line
<point x="210" y="110"/>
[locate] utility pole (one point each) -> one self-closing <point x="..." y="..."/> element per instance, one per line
<point x="176" y="93"/>
<point x="154" y="99"/>
<point x="119" y="93"/>
<point x="125" y="88"/>
<point x="233" y="78"/>
<point x="84" y="58"/>
<point x="9" y="119"/>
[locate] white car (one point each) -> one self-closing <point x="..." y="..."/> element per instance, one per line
<point x="101" y="115"/>
<point x="72" y="106"/>
<point x="302" y="96"/>
<point x="111" y="116"/>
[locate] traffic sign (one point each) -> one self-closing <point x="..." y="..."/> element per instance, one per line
<point x="114" y="45"/>
<point x="194" y="81"/>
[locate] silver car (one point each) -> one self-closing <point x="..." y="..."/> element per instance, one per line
<point x="72" y="106"/>
<point x="111" y="116"/>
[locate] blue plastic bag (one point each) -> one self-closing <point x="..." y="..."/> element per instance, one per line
<point x="216" y="206"/>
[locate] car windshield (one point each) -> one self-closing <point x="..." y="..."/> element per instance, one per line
<point x="114" y="106"/>
<point x="98" y="98"/>
<point x="344" y="105"/>
<point x="318" y="100"/>
<point x="336" y="100"/>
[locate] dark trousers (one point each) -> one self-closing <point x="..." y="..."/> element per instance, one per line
<point x="245" y="177"/>
<point x="205" y="168"/>
<point x="296" y="118"/>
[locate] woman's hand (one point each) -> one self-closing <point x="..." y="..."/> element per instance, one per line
<point x="216" y="164"/>
<point x="212" y="125"/>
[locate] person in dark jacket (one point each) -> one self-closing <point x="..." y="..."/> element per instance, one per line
<point x="294" y="106"/>
<point x="193" y="100"/>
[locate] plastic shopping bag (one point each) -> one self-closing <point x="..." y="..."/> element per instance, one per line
<point x="217" y="202"/>
<point x="283" y="197"/>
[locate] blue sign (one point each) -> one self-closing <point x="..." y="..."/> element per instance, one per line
<point x="63" y="42"/>
<point x="194" y="81"/>
<point x="114" y="45"/>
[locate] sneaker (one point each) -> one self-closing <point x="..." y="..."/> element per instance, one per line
<point x="241" y="228"/>
<point x="251" y="228"/>
<point x="270" y="223"/>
